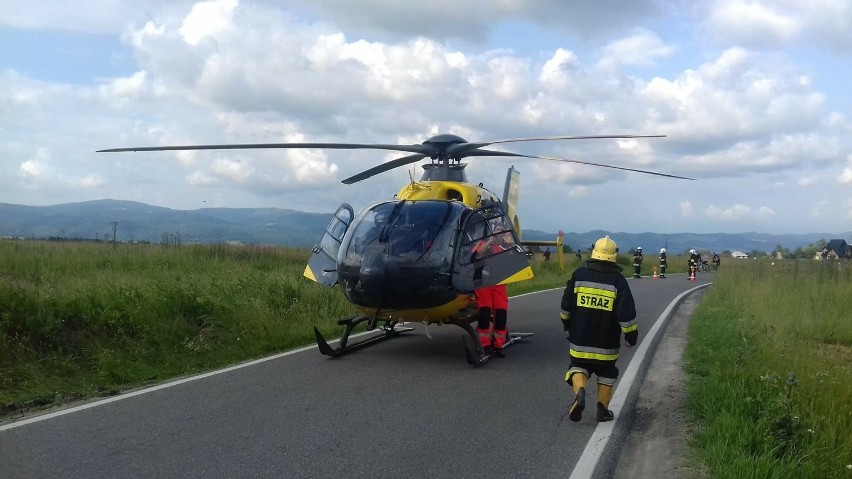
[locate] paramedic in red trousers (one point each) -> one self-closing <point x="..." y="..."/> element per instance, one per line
<point x="597" y="307"/>
<point x="493" y="299"/>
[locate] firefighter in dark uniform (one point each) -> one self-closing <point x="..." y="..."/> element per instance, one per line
<point x="663" y="263"/>
<point x="597" y="307"/>
<point x="637" y="263"/>
<point x="694" y="261"/>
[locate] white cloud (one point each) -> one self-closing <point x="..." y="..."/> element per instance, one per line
<point x="846" y="176"/>
<point x="777" y="23"/>
<point x="557" y="71"/>
<point x="643" y="48"/>
<point x="739" y="212"/>
<point x="686" y="209"/>
<point x="37" y="169"/>
<point x="578" y="191"/>
<point x="91" y="181"/>
<point x="239" y="172"/>
<point x="207" y="19"/>
<point x="33" y="169"/>
<point x="754" y="23"/>
<point x="121" y="88"/>
<point x="200" y="178"/>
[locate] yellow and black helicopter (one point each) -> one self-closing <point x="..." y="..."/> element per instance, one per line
<point x="409" y="258"/>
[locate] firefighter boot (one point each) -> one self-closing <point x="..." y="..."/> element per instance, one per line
<point x="575" y="412"/>
<point x="604" y="395"/>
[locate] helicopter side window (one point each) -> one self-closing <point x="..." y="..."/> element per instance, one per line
<point x="487" y="234"/>
<point x="330" y="242"/>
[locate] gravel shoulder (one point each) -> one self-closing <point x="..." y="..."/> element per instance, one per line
<point x="657" y="442"/>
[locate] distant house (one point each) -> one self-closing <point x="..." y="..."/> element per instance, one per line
<point x="836" y="249"/>
<point x="739" y="255"/>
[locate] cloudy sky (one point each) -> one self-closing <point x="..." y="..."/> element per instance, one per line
<point x="753" y="96"/>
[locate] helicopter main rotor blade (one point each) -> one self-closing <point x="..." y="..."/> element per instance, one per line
<point x="421" y="149"/>
<point x="464" y="149"/>
<point x="490" y="153"/>
<point x="565" y="160"/>
<point x="647" y="172"/>
<point x="383" y="167"/>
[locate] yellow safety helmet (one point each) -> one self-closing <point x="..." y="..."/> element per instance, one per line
<point x="605" y="249"/>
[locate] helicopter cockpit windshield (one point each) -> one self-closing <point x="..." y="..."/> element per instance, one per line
<point x="399" y="254"/>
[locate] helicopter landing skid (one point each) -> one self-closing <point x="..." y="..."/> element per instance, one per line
<point x="474" y="351"/>
<point x="388" y="331"/>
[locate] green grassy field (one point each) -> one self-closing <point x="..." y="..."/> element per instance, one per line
<point x="83" y="319"/>
<point x="769" y="366"/>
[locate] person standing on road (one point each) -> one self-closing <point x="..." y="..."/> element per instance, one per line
<point x="663" y="263"/>
<point x="637" y="263"/>
<point x="597" y="307"/>
<point x="493" y="299"/>
<point x="694" y="261"/>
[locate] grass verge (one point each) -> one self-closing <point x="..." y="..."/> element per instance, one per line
<point x="769" y="377"/>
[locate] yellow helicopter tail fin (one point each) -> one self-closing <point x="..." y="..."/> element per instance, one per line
<point x="560" y="254"/>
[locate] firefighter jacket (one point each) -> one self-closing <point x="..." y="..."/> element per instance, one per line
<point x="694" y="259"/>
<point x="597" y="307"/>
<point x="663" y="261"/>
<point x="637" y="259"/>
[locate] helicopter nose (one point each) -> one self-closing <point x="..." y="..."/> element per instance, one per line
<point x="371" y="275"/>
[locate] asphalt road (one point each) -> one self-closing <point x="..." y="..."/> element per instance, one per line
<point x="409" y="407"/>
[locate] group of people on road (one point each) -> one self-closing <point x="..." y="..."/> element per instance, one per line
<point x="694" y="263"/>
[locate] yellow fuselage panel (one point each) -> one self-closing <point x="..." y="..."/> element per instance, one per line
<point x="458" y="310"/>
<point x="309" y="274"/>
<point x="468" y="194"/>
<point x="522" y="275"/>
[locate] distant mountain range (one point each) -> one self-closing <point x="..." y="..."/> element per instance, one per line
<point x="141" y="222"/>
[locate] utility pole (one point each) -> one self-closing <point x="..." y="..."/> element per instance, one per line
<point x="114" y="227"/>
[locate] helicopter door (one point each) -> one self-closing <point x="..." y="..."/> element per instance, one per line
<point x="322" y="267"/>
<point x="488" y="251"/>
